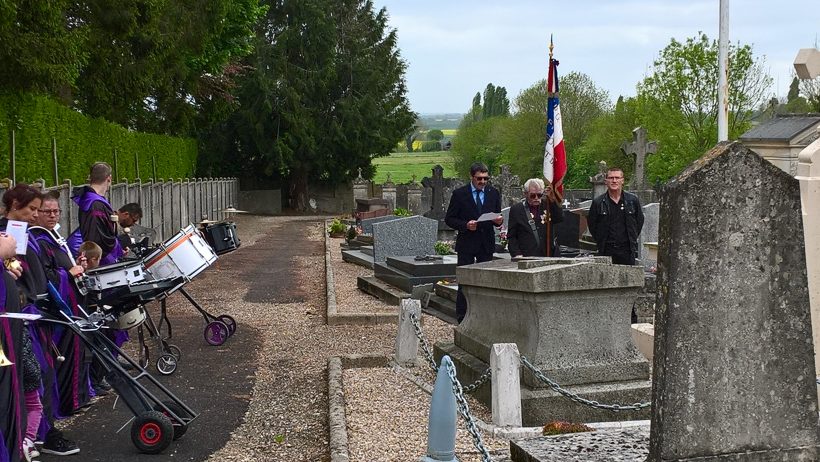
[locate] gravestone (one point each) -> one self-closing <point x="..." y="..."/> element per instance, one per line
<point x="733" y="358"/>
<point x="598" y="181"/>
<point x="410" y="236"/>
<point x="640" y="148"/>
<point x="367" y="223"/>
<point x="436" y="184"/>
<point x="569" y="229"/>
<point x="414" y="197"/>
<point x="509" y="186"/>
<point x="389" y="193"/>
<point x="649" y="233"/>
<point x="361" y="188"/>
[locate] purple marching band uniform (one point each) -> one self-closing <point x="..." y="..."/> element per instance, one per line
<point x="32" y="283"/>
<point x="72" y="374"/>
<point x="12" y="412"/>
<point x="96" y="226"/>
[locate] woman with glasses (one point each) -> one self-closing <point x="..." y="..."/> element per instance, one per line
<point x="532" y="219"/>
<point x="23" y="203"/>
<point x="61" y="270"/>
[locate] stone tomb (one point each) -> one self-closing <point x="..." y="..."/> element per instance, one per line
<point x="570" y="318"/>
<point x="407" y="272"/>
<point x="734" y="363"/>
<point x="403" y="237"/>
<point x="649" y="233"/>
<point x="367" y="224"/>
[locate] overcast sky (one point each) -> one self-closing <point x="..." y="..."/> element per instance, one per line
<point x="455" y="47"/>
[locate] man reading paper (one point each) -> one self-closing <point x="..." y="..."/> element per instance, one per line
<point x="475" y="242"/>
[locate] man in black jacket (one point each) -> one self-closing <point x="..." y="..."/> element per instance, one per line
<point x="527" y="227"/>
<point x="476" y="240"/>
<point x="615" y="220"/>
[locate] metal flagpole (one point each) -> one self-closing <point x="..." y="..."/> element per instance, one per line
<point x="547" y="220"/>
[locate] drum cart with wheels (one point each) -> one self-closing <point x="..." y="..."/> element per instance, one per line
<point x="160" y="417"/>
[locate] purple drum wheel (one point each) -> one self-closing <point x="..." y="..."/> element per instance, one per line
<point x="216" y="332"/>
<point x="230" y="322"/>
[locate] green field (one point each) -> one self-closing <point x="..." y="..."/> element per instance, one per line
<point x="403" y="165"/>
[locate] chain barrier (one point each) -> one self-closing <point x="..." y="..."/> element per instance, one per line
<point x="458" y="390"/>
<point x="578" y="399"/>
<point x="464" y="410"/>
<point x="428" y="354"/>
<point x="425" y="346"/>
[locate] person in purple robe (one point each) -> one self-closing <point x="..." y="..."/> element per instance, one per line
<point x="62" y="271"/>
<point x="22" y="203"/>
<point x="96" y="216"/>
<point x="12" y="405"/>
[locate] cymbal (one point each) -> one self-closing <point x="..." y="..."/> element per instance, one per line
<point x="231" y="209"/>
<point x="207" y="222"/>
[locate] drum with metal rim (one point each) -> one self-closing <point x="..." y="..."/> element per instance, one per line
<point x="115" y="275"/>
<point x="130" y="319"/>
<point x="186" y="254"/>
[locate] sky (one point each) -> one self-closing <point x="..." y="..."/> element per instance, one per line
<point x="453" y="48"/>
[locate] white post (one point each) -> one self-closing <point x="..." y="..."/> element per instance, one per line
<point x="723" y="73"/>
<point x="807" y="65"/>
<point x="407" y="343"/>
<point x="505" y="366"/>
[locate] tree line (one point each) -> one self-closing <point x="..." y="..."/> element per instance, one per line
<point x="277" y="92"/>
<point x="676" y="102"/>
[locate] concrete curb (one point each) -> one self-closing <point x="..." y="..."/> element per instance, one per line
<point x="337" y="417"/>
<point x="334" y="318"/>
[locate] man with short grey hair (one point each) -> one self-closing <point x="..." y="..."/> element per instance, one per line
<point x="531" y="222"/>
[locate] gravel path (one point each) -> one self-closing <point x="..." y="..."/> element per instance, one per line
<point x="274" y="286"/>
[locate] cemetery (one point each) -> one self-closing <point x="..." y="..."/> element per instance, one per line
<point x="651" y="293"/>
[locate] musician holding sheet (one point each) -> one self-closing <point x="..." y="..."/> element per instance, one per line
<point x="61" y="270"/>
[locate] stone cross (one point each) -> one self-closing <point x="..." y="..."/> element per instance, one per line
<point x="640" y="148"/>
<point x="509" y="185"/>
<point x="437" y="185"/>
<point x="807" y="63"/>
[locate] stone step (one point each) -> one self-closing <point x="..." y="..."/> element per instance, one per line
<point x="447" y="291"/>
<point x="367" y="249"/>
<point x="400" y="279"/>
<point x="442" y="308"/>
<point x="381" y="290"/>
<point x="357" y="257"/>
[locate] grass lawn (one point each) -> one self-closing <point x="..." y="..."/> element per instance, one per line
<point x="402" y="165"/>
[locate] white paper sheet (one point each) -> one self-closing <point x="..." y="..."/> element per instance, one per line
<point x="489" y="216"/>
<point x="23" y="316"/>
<point x="18" y="230"/>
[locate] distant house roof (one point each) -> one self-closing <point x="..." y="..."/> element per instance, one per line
<point x="782" y="127"/>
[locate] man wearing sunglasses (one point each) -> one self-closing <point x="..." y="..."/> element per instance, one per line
<point x="527" y="229"/>
<point x="476" y="240"/>
<point x="615" y="220"/>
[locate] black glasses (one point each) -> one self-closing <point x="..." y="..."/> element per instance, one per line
<point x="481" y="178"/>
<point x="536" y="195"/>
<point x="50" y="211"/>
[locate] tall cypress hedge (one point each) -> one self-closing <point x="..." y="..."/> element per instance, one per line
<point x="81" y="141"/>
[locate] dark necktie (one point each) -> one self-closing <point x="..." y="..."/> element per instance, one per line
<point x="478" y="199"/>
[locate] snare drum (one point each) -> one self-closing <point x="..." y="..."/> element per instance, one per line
<point x="130" y="319"/>
<point x="116" y="275"/>
<point x="186" y="254"/>
<point x="222" y="237"/>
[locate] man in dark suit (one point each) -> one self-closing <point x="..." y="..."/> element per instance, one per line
<point x="527" y="227"/>
<point x="476" y="240"/>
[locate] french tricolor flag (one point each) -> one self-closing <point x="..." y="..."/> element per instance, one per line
<point x="555" y="156"/>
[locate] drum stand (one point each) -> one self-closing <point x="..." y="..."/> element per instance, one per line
<point x="217" y="328"/>
<point x="169" y="355"/>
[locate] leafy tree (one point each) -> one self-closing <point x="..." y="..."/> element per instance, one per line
<point x="326" y="96"/>
<point x="811" y="90"/>
<point x="435" y="135"/>
<point x="794" y="90"/>
<point x="43" y="46"/>
<point x="684" y="80"/>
